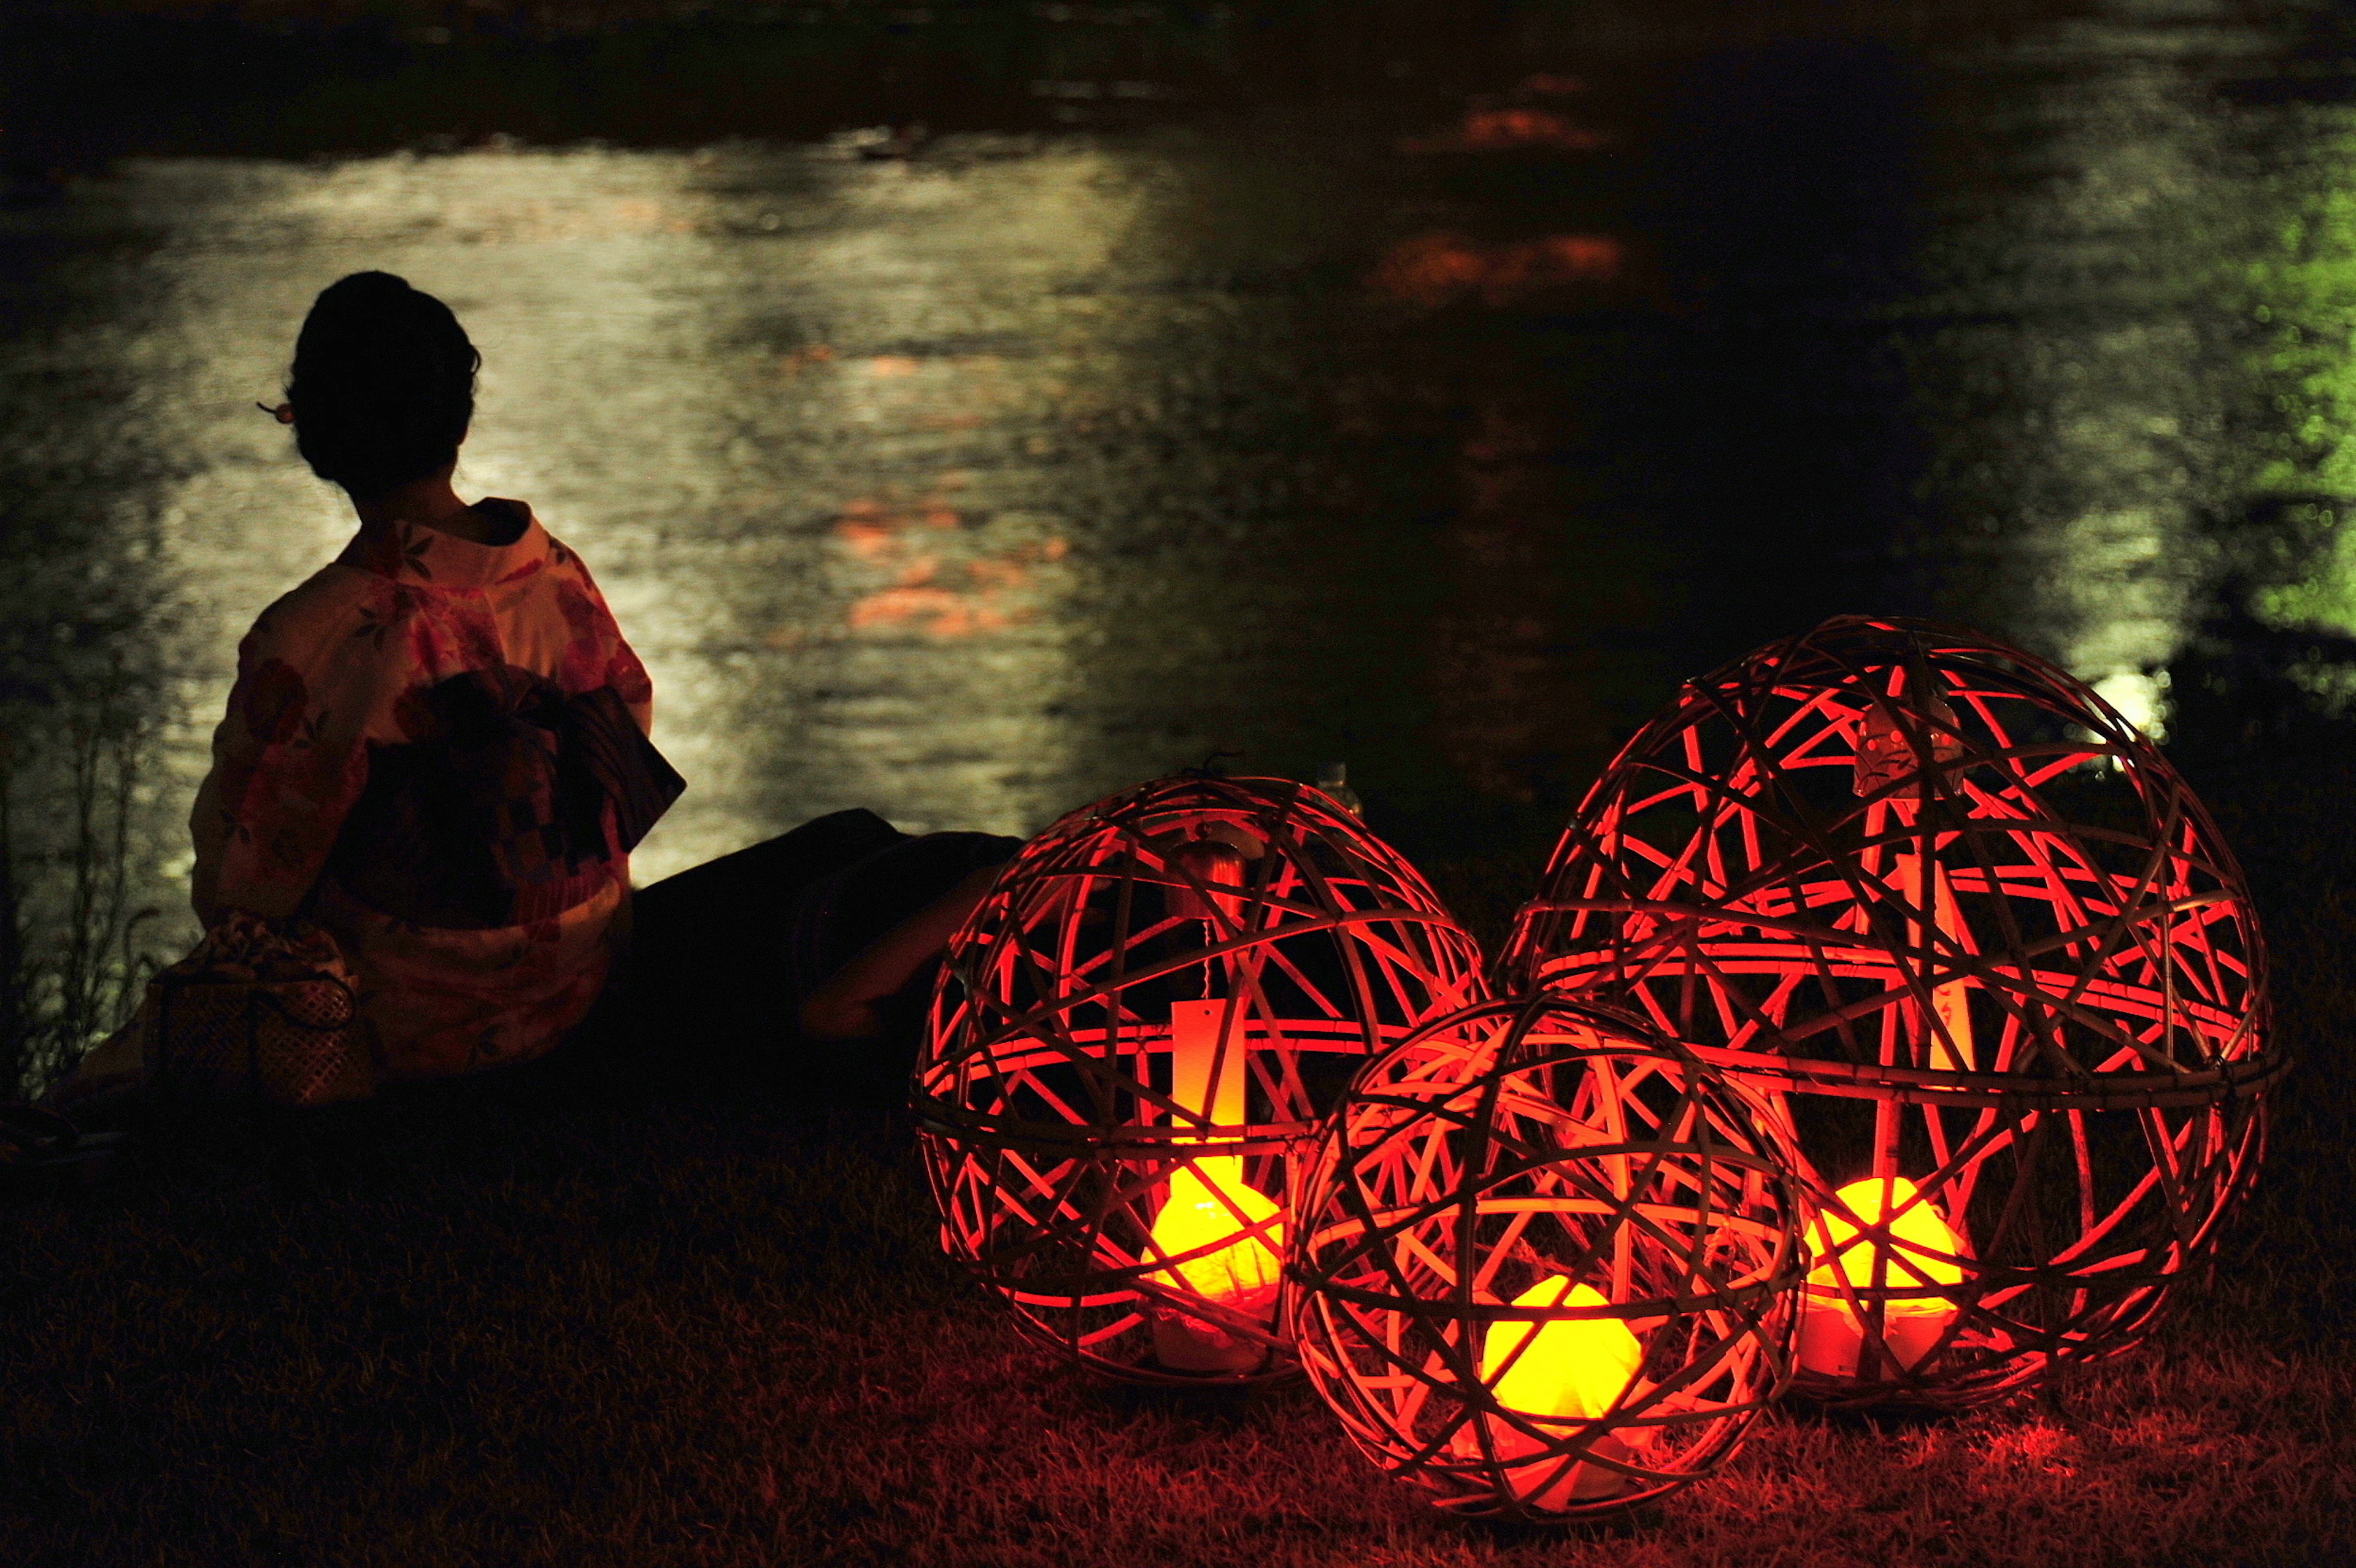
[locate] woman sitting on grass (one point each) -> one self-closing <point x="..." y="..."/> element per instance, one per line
<point x="436" y="751"/>
<point x="435" y="747"/>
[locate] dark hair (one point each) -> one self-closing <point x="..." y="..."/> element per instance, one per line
<point x="383" y="384"/>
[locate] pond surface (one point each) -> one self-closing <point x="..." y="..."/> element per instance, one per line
<point x="971" y="485"/>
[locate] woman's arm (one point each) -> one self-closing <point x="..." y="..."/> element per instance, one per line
<point x="598" y="655"/>
<point x="289" y="759"/>
<point x="844" y="1007"/>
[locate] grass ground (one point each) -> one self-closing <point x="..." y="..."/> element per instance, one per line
<point x="550" y="1324"/>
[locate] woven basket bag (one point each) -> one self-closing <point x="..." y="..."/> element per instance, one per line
<point x="262" y="1012"/>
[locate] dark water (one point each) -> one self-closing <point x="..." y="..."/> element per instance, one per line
<point x="1440" y="431"/>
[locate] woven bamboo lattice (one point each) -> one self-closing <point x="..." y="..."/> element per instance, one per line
<point x="1990" y="951"/>
<point x="1546" y="1261"/>
<point x="1137" y="1034"/>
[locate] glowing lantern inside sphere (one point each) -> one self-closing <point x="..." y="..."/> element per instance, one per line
<point x="1228" y="1243"/>
<point x="1959" y="920"/>
<point x="1578" y="1370"/>
<point x="1880" y="1252"/>
<point x="1548" y="1261"/>
<point x="1223" y="1233"/>
<point x="1575" y="1368"/>
<point x="1138" y="1034"/>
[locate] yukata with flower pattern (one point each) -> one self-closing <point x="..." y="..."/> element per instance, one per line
<point x="342" y="672"/>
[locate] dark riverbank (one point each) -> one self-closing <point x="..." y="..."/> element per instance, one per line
<point x="83" y="82"/>
<point x="88" y="82"/>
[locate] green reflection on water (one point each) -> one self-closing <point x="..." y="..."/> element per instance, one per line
<point x="2302" y="305"/>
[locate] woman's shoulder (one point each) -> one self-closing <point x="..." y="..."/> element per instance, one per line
<point x="520" y="553"/>
<point x="567" y="577"/>
<point x="311" y="607"/>
<point x="562" y="558"/>
<point x="337" y="611"/>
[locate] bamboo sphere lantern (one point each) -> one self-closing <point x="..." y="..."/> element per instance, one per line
<point x="1137" y="1032"/>
<point x="1547" y="1261"/>
<point x="1989" y="953"/>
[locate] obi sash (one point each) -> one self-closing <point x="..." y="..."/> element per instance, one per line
<point x="516" y="805"/>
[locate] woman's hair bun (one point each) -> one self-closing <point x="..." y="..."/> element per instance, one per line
<point x="383" y="384"/>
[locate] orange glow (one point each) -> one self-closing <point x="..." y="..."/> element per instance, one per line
<point x="1575" y="1369"/>
<point x="937" y="611"/>
<point x="920" y="552"/>
<point x="1920" y="1251"/>
<point x="1886" y="756"/>
<point x="1435" y="269"/>
<point x="1509" y="129"/>
<point x="1210" y="1205"/>
<point x="1203" y="1078"/>
<point x="1496" y="129"/>
<point x="1952" y="1048"/>
<point x="1564" y="1371"/>
<point x="865" y="539"/>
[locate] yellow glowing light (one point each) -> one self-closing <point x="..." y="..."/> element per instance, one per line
<point x="1210" y="1206"/>
<point x="1921" y="1252"/>
<point x="1577" y="1369"/>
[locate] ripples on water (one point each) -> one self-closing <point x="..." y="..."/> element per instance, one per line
<point x="969" y="486"/>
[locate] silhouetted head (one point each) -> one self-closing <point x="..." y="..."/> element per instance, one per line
<point x="383" y="384"/>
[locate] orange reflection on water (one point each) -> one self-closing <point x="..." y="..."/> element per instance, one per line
<point x="1441" y="268"/>
<point x="1510" y="131"/>
<point x="935" y="583"/>
<point x="939" y="612"/>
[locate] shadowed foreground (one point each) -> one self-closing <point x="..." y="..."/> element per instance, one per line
<point x="555" y="1327"/>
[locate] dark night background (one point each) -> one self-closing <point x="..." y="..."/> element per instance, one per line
<point x="970" y="409"/>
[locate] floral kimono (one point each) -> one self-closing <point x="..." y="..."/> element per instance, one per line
<point x="424" y="752"/>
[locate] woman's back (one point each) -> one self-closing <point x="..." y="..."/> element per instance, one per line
<point x="435" y="744"/>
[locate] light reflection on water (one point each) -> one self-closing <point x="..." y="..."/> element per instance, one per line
<point x="2110" y="390"/>
<point x="968" y="487"/>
